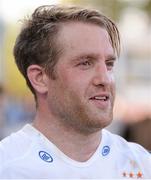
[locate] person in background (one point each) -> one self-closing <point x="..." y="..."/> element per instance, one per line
<point x="67" y="56"/>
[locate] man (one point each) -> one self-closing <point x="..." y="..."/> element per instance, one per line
<point x="67" y="56"/>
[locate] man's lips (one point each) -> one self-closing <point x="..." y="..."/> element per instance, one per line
<point x="101" y="100"/>
<point x="101" y="97"/>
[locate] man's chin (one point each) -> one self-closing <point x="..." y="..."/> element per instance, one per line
<point x="96" y="125"/>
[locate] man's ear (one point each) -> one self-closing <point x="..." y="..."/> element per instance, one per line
<point x="37" y="78"/>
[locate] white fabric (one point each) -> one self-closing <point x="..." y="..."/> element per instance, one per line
<point x="29" y="154"/>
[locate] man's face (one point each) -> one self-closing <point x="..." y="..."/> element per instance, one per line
<point x="83" y="92"/>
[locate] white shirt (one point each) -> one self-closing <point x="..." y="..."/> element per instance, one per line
<point x="29" y="154"/>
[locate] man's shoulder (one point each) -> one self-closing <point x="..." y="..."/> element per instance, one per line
<point x="129" y="156"/>
<point x="14" y="140"/>
<point x="13" y="147"/>
<point x="124" y="146"/>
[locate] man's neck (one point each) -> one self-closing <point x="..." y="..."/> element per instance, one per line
<point x="75" y="145"/>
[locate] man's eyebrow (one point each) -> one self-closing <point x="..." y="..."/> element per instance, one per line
<point x="93" y="56"/>
<point x="111" y="57"/>
<point x="85" y="56"/>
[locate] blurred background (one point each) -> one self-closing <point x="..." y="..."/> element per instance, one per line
<point x="132" y="112"/>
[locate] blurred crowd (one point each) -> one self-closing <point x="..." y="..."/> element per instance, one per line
<point x="14" y="112"/>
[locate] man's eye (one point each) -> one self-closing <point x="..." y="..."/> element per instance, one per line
<point x="85" y="63"/>
<point x="110" y="64"/>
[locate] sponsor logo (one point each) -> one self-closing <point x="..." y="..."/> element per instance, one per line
<point x="45" y="156"/>
<point x="105" y="150"/>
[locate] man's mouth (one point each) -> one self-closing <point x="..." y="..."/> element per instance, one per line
<point x="102" y="98"/>
<point x="102" y="101"/>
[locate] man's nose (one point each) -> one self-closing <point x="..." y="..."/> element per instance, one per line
<point x="102" y="76"/>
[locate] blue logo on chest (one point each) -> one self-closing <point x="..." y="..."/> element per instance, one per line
<point x="45" y="156"/>
<point x="105" y="150"/>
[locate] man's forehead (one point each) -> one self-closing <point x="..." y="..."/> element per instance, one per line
<point x="78" y="24"/>
<point x="80" y="31"/>
<point x="81" y="40"/>
<point x="69" y="30"/>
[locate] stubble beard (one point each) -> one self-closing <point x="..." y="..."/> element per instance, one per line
<point x="78" y="116"/>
